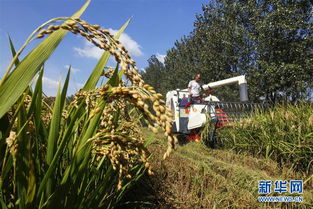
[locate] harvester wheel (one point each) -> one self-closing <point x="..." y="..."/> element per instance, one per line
<point x="213" y="139"/>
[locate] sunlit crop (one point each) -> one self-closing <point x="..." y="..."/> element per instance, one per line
<point x="83" y="153"/>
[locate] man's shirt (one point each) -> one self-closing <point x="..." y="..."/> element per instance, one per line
<point x="195" y="88"/>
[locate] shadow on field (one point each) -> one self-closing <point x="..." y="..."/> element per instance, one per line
<point x="145" y="194"/>
<point x="182" y="139"/>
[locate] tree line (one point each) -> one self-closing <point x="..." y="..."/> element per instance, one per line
<point x="269" y="41"/>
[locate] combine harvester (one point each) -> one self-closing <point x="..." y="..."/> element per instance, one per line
<point x="189" y="118"/>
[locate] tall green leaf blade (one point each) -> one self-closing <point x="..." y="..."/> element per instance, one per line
<point x="97" y="71"/>
<point x="31" y="180"/>
<point x="55" y="125"/>
<point x="3" y="205"/>
<point x="17" y="61"/>
<point x="22" y="156"/>
<point x="4" y="121"/>
<point x="115" y="78"/>
<point x="29" y="66"/>
<point x="35" y="105"/>
<point x="54" y="133"/>
<point x="65" y="87"/>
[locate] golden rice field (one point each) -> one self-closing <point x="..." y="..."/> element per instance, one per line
<point x="283" y="133"/>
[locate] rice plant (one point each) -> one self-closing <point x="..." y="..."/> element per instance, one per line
<point x="80" y="154"/>
<point x="284" y="133"/>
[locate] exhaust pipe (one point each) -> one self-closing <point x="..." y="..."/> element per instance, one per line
<point x="243" y="92"/>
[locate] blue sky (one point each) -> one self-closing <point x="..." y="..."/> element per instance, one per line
<point x="155" y="26"/>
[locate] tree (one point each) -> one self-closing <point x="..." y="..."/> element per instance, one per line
<point x="269" y="41"/>
<point x="283" y="45"/>
<point x="153" y="74"/>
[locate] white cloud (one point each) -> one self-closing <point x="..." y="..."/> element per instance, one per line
<point x="130" y="44"/>
<point x="73" y="70"/>
<point x="160" y="57"/>
<point x="142" y="70"/>
<point x="49" y="83"/>
<point x="76" y="85"/>
<point x="80" y="85"/>
<point x="50" y="86"/>
<point x="91" y="51"/>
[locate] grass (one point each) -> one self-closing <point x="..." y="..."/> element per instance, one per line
<point x="195" y="176"/>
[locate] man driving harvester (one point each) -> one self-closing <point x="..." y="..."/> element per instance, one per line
<point x="194" y="89"/>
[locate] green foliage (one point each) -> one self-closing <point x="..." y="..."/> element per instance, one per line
<point x="268" y="41"/>
<point x="283" y="48"/>
<point x="284" y="134"/>
<point x="155" y="75"/>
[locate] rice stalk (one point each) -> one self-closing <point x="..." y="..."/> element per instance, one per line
<point x="79" y="155"/>
<point x="284" y="134"/>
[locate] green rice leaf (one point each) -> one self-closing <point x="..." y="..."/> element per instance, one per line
<point x="55" y="125"/>
<point x="29" y="67"/>
<point x="23" y="157"/>
<point x="115" y="78"/>
<point x="13" y="51"/>
<point x="35" y="106"/>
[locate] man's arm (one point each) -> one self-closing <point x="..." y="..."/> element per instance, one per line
<point x="189" y="88"/>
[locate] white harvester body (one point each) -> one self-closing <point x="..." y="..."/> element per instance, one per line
<point x="193" y="116"/>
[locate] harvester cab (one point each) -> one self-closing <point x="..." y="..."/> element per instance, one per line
<point x="189" y="118"/>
